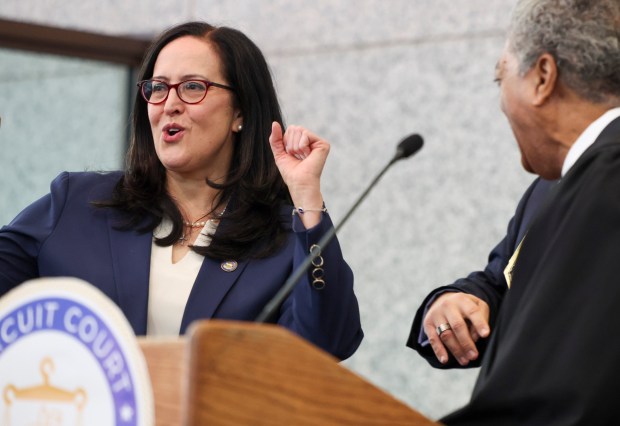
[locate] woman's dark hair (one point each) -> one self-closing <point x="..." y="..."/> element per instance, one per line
<point x="251" y="225"/>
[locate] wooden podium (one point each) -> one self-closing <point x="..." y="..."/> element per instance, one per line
<point x="233" y="373"/>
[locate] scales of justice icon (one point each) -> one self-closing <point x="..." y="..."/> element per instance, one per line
<point x="44" y="404"/>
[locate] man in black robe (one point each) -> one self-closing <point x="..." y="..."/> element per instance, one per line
<point x="553" y="357"/>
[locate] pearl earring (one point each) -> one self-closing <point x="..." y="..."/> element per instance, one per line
<point x="240" y="127"/>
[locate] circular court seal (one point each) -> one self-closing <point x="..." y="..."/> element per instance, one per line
<point x="68" y="356"/>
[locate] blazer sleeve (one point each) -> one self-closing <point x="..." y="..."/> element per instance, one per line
<point x="488" y="284"/>
<point x="328" y="317"/>
<point x="21" y="240"/>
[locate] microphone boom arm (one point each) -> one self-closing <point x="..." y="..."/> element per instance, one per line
<point x="407" y="147"/>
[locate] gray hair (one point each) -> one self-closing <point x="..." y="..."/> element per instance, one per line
<point x="582" y="35"/>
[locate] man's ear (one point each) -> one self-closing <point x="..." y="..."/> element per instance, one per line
<point x="545" y="75"/>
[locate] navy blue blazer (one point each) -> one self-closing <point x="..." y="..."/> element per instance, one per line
<point x="489" y="285"/>
<point x="63" y="234"/>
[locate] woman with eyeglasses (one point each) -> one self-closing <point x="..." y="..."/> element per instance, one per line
<point x="217" y="206"/>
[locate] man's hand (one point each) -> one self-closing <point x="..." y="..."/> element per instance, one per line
<point x="468" y="319"/>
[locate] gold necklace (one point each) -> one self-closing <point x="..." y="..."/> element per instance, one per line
<point x="199" y="224"/>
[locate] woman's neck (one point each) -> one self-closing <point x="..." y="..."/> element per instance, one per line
<point x="194" y="198"/>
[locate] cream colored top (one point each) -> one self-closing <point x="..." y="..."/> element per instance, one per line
<point x="171" y="283"/>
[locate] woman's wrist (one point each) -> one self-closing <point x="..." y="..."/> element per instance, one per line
<point x="309" y="208"/>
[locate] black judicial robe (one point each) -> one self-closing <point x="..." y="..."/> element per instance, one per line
<point x="554" y="355"/>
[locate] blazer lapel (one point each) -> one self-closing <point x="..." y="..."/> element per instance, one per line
<point x="131" y="261"/>
<point x="213" y="282"/>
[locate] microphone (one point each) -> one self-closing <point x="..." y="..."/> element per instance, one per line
<point x="406" y="148"/>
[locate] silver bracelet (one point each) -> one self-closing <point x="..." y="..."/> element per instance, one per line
<point x="300" y="210"/>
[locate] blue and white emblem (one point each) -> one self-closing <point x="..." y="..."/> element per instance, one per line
<point x="69" y="357"/>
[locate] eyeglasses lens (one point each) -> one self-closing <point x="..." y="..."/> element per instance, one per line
<point x="192" y="91"/>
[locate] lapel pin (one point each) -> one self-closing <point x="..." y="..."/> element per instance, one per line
<point x="229" y="265"/>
